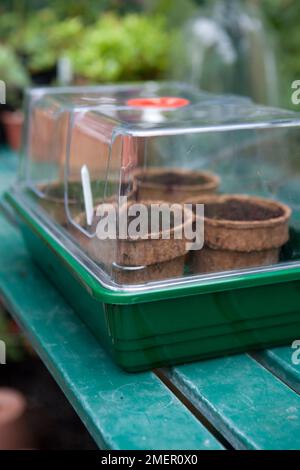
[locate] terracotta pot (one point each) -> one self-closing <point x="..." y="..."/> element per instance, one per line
<point x="152" y="272"/>
<point x="241" y="231"/>
<point x="134" y="252"/>
<point x="174" y="185"/>
<point x="90" y="143"/>
<point x="79" y="80"/>
<point x="44" y="126"/>
<point x="14" y="432"/>
<point x="13" y="125"/>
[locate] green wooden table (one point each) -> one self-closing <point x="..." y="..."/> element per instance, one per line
<point x="248" y="401"/>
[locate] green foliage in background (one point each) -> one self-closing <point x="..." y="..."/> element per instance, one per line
<point x="176" y="12"/>
<point x="9" y="23"/>
<point x="113" y="47"/>
<point x="284" y="16"/>
<point x="11" y="69"/>
<point x="30" y="38"/>
<point x="88" y="10"/>
<point x="14" y="74"/>
<point x="114" y="40"/>
<point x="43" y="39"/>
<point x="133" y="47"/>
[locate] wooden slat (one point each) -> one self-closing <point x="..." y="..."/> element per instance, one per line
<point x="121" y="411"/>
<point x="243" y="400"/>
<point x="281" y="363"/>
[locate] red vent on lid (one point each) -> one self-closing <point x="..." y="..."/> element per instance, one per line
<point x="161" y="102"/>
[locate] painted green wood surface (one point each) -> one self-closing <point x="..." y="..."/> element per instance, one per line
<point x="280" y="361"/>
<point x="244" y="401"/>
<point x="121" y="411"/>
<point x="8" y="168"/>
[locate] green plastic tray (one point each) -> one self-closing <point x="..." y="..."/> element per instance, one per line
<point x="173" y="324"/>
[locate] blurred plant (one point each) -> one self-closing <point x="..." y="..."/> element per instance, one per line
<point x="176" y="12"/>
<point x="14" y="74"/>
<point x="61" y="37"/>
<point x="9" y="22"/>
<point x="44" y="38"/>
<point x="133" y="47"/>
<point x="31" y="41"/>
<point x="86" y="10"/>
<point x="284" y="15"/>
<point x="92" y="9"/>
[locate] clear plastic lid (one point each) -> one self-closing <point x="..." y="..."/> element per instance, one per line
<point x="158" y="181"/>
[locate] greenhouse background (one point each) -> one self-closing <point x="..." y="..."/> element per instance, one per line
<point x="133" y="40"/>
<point x="244" y="47"/>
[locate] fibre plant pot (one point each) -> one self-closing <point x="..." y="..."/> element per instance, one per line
<point x="153" y="272"/>
<point x="134" y="251"/>
<point x="13" y="125"/>
<point x="14" y="431"/>
<point x="52" y="199"/>
<point x="174" y="184"/>
<point x="241" y="231"/>
<point x="210" y="260"/>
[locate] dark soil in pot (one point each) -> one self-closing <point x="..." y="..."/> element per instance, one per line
<point x="174" y="184"/>
<point x="239" y="210"/>
<point x="241" y="231"/>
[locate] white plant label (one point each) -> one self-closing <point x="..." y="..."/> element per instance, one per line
<point x="87" y="194"/>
